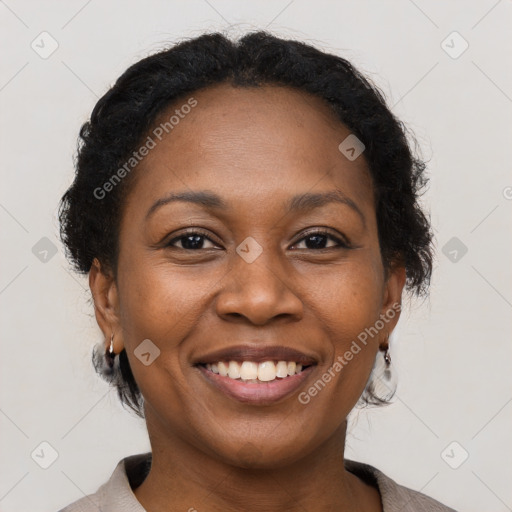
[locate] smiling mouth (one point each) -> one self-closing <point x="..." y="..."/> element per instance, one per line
<point x="243" y="381"/>
<point x="255" y="373"/>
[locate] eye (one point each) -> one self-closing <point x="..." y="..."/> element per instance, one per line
<point x="317" y="240"/>
<point x="192" y="240"/>
<point x="195" y="240"/>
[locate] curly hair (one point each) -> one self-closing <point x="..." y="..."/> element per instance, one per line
<point x="121" y="119"/>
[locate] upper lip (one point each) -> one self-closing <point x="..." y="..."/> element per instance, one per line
<point x="256" y="354"/>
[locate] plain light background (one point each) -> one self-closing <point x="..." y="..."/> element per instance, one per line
<point x="451" y="353"/>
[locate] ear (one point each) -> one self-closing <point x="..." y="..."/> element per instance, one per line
<point x="106" y="303"/>
<point x="392" y="299"/>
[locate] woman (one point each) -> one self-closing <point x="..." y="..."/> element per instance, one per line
<point x="247" y="214"/>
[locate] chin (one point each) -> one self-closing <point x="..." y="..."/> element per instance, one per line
<point x="262" y="455"/>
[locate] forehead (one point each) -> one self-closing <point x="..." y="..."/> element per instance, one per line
<point x="250" y="144"/>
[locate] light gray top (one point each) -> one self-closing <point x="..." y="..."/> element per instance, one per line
<point x="116" y="494"/>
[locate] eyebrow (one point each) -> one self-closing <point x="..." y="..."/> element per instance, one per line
<point x="300" y="202"/>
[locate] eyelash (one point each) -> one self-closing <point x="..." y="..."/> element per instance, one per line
<point x="340" y="243"/>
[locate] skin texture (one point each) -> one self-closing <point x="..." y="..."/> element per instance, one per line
<point x="254" y="147"/>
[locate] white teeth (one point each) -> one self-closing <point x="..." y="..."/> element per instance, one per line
<point x="249" y="371"/>
<point x="266" y="371"/>
<point x="233" y="370"/>
<point x="223" y="368"/>
<point x="282" y="369"/>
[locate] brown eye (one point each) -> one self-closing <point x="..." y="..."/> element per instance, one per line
<point x="319" y="240"/>
<point x="192" y="240"/>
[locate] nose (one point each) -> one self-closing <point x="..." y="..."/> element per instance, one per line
<point x="258" y="292"/>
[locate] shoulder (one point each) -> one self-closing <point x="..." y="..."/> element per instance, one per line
<point x="116" y="494"/>
<point x="395" y="497"/>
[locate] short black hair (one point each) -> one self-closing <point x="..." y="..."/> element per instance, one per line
<point x="122" y="118"/>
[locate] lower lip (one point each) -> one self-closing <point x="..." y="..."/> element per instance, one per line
<point x="257" y="393"/>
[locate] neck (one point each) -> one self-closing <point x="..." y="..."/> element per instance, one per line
<point x="192" y="480"/>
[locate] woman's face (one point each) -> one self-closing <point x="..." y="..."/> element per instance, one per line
<point x="249" y="274"/>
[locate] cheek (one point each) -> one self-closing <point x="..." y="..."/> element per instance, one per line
<point x="350" y="298"/>
<point x="159" y="306"/>
<point x="161" y="301"/>
<point x="350" y="306"/>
